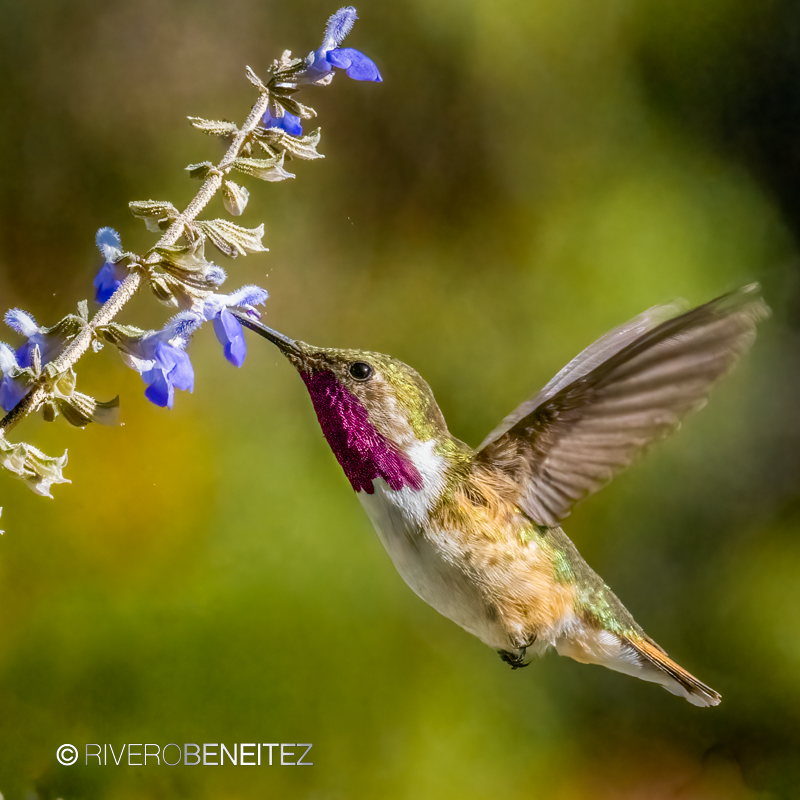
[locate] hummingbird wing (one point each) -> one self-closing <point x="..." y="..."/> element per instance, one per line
<point x="594" y="355"/>
<point x="625" y="391"/>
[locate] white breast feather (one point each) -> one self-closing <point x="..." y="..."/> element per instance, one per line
<point x="412" y="503"/>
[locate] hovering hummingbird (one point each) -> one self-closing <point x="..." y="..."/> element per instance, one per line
<point x="475" y="533"/>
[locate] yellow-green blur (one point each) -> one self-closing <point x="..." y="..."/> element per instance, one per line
<point x="528" y="175"/>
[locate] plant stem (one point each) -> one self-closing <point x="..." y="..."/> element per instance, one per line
<point x="83" y="340"/>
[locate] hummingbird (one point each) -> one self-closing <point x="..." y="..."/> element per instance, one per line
<point x="476" y="533"/>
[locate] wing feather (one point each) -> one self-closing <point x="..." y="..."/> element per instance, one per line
<point x="595" y="354"/>
<point x="625" y="391"/>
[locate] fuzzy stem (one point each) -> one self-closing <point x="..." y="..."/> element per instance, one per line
<point x="81" y="343"/>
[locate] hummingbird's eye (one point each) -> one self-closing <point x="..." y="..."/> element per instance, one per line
<point x="360" y="370"/>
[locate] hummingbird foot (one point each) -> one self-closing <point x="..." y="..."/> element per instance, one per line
<point x="517" y="659"/>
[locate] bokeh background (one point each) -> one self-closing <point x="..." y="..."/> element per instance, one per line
<point x="529" y="175"/>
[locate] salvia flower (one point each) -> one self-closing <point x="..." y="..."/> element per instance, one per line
<point x="228" y="329"/>
<point x="49" y="344"/>
<point x="111" y="274"/>
<point x="288" y="122"/>
<point x="159" y="357"/>
<point x="329" y="54"/>
<point x="21" y="367"/>
<point x="13" y="386"/>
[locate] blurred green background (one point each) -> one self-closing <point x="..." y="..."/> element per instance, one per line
<point x="529" y="175"/>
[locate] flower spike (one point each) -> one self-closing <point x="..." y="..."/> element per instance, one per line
<point x="38" y="375"/>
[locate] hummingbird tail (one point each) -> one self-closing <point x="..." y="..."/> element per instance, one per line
<point x="639" y="656"/>
<point x="673" y="677"/>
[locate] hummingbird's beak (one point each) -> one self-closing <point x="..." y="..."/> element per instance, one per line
<point x="291" y="349"/>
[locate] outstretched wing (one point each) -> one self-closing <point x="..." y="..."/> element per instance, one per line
<point x="626" y="390"/>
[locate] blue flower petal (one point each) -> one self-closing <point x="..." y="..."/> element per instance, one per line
<point x="11" y="392"/>
<point x="357" y="65"/>
<point x="236" y="351"/>
<point x="107" y="281"/>
<point x="288" y="122"/>
<point x="247" y="296"/>
<point x="160" y="390"/>
<point x="292" y="124"/>
<point x="182" y="374"/>
<point x="24" y="354"/>
<point x="318" y="65"/>
<point x="177" y="366"/>
<point x="270" y="121"/>
<point x="46" y="345"/>
<point x="172" y="370"/>
<point x="178" y="331"/>
<point x="230" y="334"/>
<point x="109" y="244"/>
<point x="21" y="322"/>
<point x="339" y="25"/>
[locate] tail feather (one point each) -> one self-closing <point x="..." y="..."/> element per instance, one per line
<point x="682" y="682"/>
<point x="637" y="655"/>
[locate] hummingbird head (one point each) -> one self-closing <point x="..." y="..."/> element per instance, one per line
<point x="373" y="409"/>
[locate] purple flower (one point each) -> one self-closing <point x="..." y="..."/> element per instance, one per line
<point x="111" y="273"/>
<point x="329" y="55"/>
<point x="226" y="326"/>
<point x="230" y="334"/>
<point x="356" y="64"/>
<point x="23" y="323"/>
<point x="12" y="389"/>
<point x="159" y="358"/>
<point x="171" y="370"/>
<point x="288" y="122"/>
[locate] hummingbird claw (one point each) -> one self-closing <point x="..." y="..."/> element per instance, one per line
<point x="516" y="660"/>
